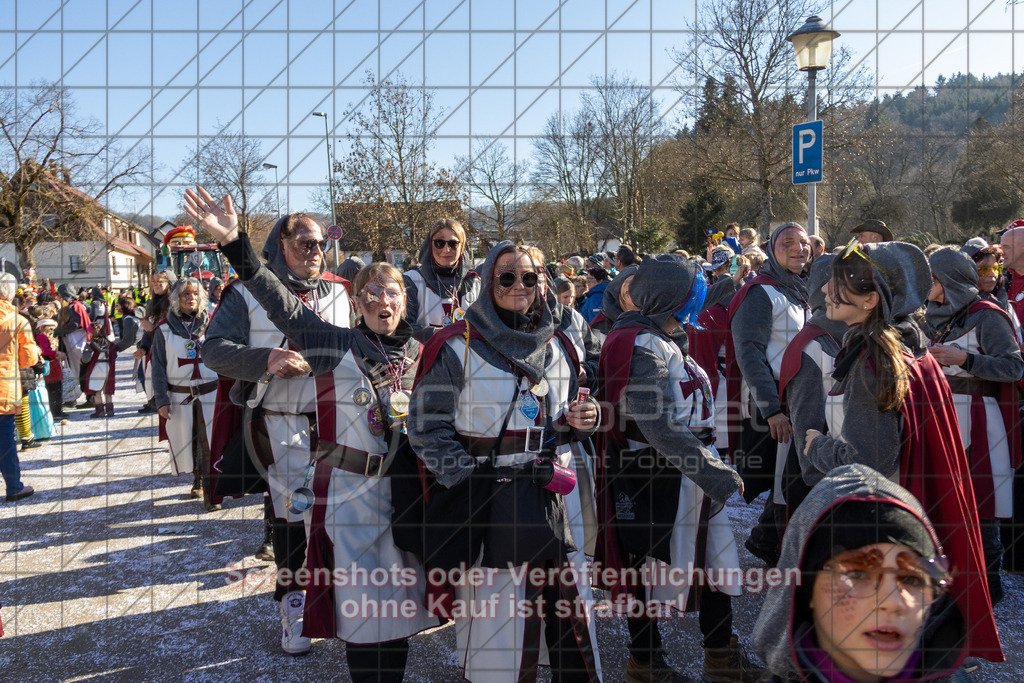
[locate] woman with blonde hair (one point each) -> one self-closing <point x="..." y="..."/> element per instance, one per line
<point x="182" y="385"/>
<point x="443" y="285"/>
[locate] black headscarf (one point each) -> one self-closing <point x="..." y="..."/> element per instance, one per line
<point x="524" y="343"/>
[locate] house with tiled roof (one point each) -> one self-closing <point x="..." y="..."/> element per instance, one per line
<point x="95" y="245"/>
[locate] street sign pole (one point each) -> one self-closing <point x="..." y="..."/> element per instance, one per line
<point x="812" y="188"/>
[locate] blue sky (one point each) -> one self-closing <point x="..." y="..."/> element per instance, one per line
<point x="158" y="73"/>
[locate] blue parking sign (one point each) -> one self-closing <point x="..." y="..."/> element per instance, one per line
<point x="807" y="152"/>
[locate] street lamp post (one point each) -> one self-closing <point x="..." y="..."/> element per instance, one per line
<point x="812" y="44"/>
<point x="330" y="178"/>
<point x="277" y="186"/>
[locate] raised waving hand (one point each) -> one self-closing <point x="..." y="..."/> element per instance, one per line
<point x="220" y="220"/>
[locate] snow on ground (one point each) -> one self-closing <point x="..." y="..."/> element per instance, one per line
<point x="112" y="572"/>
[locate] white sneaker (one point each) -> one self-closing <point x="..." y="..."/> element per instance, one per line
<point x="292" y="640"/>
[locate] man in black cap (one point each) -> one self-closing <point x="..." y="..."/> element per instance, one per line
<point x="872" y="231"/>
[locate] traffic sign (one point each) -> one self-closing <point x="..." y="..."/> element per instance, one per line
<point x="334" y="232"/>
<point x="807" y="152"/>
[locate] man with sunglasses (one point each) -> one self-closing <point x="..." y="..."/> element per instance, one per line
<point x="442" y="287"/>
<point x="1012" y="244"/>
<point x="243" y="345"/>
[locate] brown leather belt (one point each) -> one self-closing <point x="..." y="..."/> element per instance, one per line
<point x="972" y="386"/>
<point x="197" y="390"/>
<point x="350" y="459"/>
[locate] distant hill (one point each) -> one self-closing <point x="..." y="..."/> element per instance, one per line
<point x="953" y="104"/>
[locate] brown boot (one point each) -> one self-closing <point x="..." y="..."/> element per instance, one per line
<point x="109" y="409"/>
<point x="730" y="664"/>
<point x="656" y="671"/>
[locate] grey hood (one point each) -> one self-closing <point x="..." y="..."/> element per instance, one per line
<point x="958" y="276"/>
<point x="661" y="286"/>
<point x="274" y="256"/>
<point x="437" y="281"/>
<point x="794" y="285"/>
<point x="525" y="346"/>
<point x="68" y="292"/>
<point x="902" y="277"/>
<point x="610" y="308"/>
<point x="819" y="276"/>
<point x="944" y="633"/>
<point x="349" y="267"/>
<point x="213" y="284"/>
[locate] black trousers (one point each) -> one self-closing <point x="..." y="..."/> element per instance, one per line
<point x="289" y="541"/>
<point x="55" y="392"/>
<point x="377" y="662"/>
<point x="715" y="618"/>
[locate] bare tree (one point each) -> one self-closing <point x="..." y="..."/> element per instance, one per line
<point x="55" y="168"/>
<point x="232" y="163"/>
<point x="499" y="183"/>
<point x="386" y="183"/>
<point x="629" y="127"/>
<point x="743" y="43"/>
<point x="568" y="168"/>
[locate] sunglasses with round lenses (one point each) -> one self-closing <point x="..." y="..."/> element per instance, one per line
<point x="308" y="246"/>
<point x="508" y="279"/>
<point x="451" y="244"/>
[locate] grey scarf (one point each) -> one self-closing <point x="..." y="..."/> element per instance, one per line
<point x="524" y="348"/>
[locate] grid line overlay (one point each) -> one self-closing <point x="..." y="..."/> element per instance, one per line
<point x="256" y="67"/>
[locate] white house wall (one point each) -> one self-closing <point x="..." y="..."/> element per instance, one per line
<point x="53" y="261"/>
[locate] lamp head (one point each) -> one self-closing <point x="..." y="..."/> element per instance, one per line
<point x="812" y="43"/>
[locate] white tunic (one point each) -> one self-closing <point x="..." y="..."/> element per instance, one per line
<point x="787" y="320"/>
<point x="491" y="641"/>
<point x="371" y="605"/>
<point x="179" y="425"/>
<point x="289" y="432"/>
<point x="435" y="310"/>
<point x="995" y="429"/>
<point x="693" y="408"/>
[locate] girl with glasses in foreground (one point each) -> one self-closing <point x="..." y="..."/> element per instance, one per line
<point x="889" y="407"/>
<point x="873" y="602"/>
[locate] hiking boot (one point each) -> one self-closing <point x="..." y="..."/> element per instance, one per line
<point x="25" y="492"/>
<point x="109" y="408"/>
<point x="29" y="443"/>
<point x="730" y="664"/>
<point x="292" y="640"/>
<point x="655" y="671"/>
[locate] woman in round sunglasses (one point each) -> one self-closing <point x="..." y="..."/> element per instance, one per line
<point x="494" y="403"/>
<point x="443" y="286"/>
<point x="974" y="340"/>
<point x="873" y="601"/>
<point x="890" y="409"/>
<point x="363" y="381"/>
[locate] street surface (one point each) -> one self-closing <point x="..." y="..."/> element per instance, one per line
<point x="112" y="572"/>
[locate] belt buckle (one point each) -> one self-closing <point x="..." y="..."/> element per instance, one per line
<point x="534" y="439"/>
<point x="369" y="471"/>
